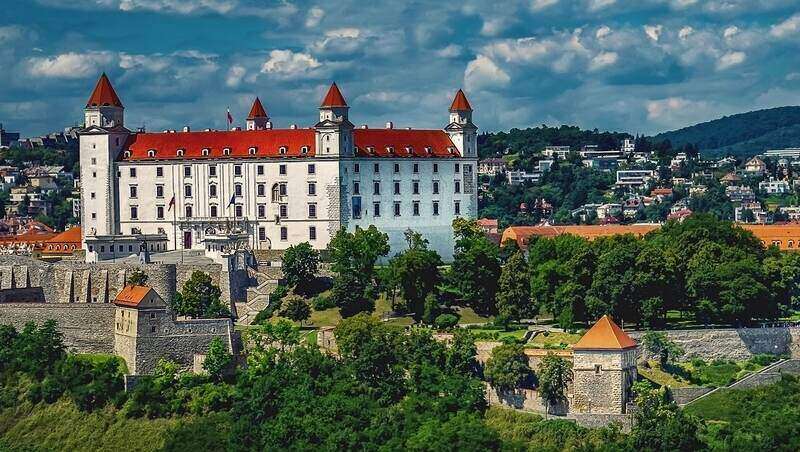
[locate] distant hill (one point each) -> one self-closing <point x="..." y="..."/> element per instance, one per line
<point x="741" y="135"/>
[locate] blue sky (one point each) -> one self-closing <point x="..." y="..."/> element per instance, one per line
<point x="640" y="66"/>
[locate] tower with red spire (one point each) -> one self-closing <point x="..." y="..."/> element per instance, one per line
<point x="462" y="131"/>
<point x="101" y="140"/>
<point x="258" y="119"/>
<point x="334" y="131"/>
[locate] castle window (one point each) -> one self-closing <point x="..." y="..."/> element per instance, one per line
<point x="396" y="167"/>
<point x="356" y="188"/>
<point x="284" y="233"/>
<point x="212" y="170"/>
<point x="416" y="168"/>
<point x="376" y="188"/>
<point x="187" y="191"/>
<point x="283" y="210"/>
<point x="260" y="170"/>
<point x="132" y="172"/>
<point x="376" y="209"/>
<point x="597" y="369"/>
<point x="312" y="210"/>
<point x="188" y="211"/>
<point x="304" y="150"/>
<point x="187" y="171"/>
<point x="180" y="152"/>
<point x="159" y="171"/>
<point x="371" y="150"/>
<point x="160" y="212"/>
<point x="396" y="187"/>
<point x="94" y="161"/>
<point x="436" y="187"/>
<point x="409" y="149"/>
<point x="457" y="168"/>
<point x="397" y="209"/>
<point x="390" y="149"/>
<point x="415" y="187"/>
<point x="312" y="169"/>
<point x="133" y="191"/>
<point x="252" y="151"/>
<point x="127" y="154"/>
<point x="282" y="169"/>
<point x="436" y="208"/>
<point x="457" y="185"/>
<point x="134" y="212"/>
<point x="212" y="211"/>
<point x="428" y="150"/>
<point x="212" y="191"/>
<point x="237" y="170"/>
<point x="237" y="189"/>
<point x="205" y="152"/>
<point x="415" y="208"/>
<point x="356" y="168"/>
<point x="262" y="211"/>
<point x="238" y="210"/>
<point x="282" y="150"/>
<point x="151" y="153"/>
<point x="262" y="234"/>
<point x="226" y="151"/>
<point x="312" y="189"/>
<point x="312" y="233"/>
<point x="260" y="190"/>
<point x="435" y="168"/>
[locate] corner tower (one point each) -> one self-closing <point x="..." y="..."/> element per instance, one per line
<point x="101" y="140"/>
<point x="258" y="118"/>
<point x="334" y="131"/>
<point x="604" y="368"/>
<point x="461" y="130"/>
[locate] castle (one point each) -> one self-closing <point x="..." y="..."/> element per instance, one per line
<point x="270" y="187"/>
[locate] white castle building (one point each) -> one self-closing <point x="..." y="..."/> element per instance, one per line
<point x="270" y="188"/>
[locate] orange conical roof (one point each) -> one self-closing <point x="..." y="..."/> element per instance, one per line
<point x="605" y="335"/>
<point x="103" y="94"/>
<point x="334" y="98"/>
<point x="257" y="111"/>
<point x="460" y="102"/>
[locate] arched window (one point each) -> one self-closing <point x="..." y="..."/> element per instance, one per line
<point x="276" y="192"/>
<point x="252" y="151"/>
<point x="127" y="154"/>
<point x="151" y="153"/>
<point x="205" y="152"/>
<point x="390" y="149"/>
<point x="226" y="151"/>
<point x="304" y="150"/>
<point x="188" y="211"/>
<point x="180" y="152"/>
<point x="282" y="150"/>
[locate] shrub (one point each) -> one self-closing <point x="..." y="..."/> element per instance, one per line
<point x="446" y="321"/>
<point x="764" y="359"/>
<point x="322" y="302"/>
<point x="274" y="305"/>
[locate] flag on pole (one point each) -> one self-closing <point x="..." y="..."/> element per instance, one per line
<point x="230" y="118"/>
<point x="171" y="203"/>
<point x="233" y="200"/>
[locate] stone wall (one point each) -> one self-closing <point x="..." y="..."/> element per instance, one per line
<point x="87" y="328"/>
<point x="734" y="344"/>
<point x="682" y="396"/>
<point x="602" y="380"/>
<point x="180" y="342"/>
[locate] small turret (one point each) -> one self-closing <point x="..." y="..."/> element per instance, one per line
<point x="462" y="131"/>
<point x="104" y="109"/>
<point x="258" y="118"/>
<point x="334" y="132"/>
<point x="333" y="107"/>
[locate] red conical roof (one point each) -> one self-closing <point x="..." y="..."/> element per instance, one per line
<point x="460" y="103"/>
<point x="334" y="98"/>
<point x="257" y="111"/>
<point x="605" y="335"/>
<point x="103" y="94"/>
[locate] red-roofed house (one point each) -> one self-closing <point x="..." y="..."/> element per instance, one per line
<point x="279" y="186"/>
<point x="64" y="244"/>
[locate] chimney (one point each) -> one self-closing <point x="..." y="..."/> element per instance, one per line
<point x="186" y="129"/>
<point x="389" y="125"/>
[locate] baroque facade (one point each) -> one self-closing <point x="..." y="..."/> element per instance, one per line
<point x="278" y="187"/>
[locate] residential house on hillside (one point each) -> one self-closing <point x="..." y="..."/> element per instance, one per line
<point x="492" y="167"/>
<point x="556" y="152"/>
<point x="730" y="179"/>
<point x="751" y="212"/>
<point x="772" y="186"/>
<point x="488" y="225"/>
<point x="740" y="193"/>
<point x="634" y="179"/>
<point x="755" y="167"/>
<point x="519" y="177"/>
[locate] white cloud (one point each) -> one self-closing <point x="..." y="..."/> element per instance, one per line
<point x="602" y="32"/>
<point x="730" y="59"/>
<point x="314" y="16"/>
<point x="653" y="31"/>
<point x="787" y="27"/>
<point x="69" y="65"/>
<point x="180" y="6"/>
<point x="451" y="51"/>
<point x="538" y="5"/>
<point x="235" y="75"/>
<point x="149" y="63"/>
<point x="685" y="32"/>
<point x="730" y="32"/>
<point x="483" y="72"/>
<point x="520" y="50"/>
<point x="11" y="33"/>
<point x="493" y="27"/>
<point x="659" y="108"/>
<point x="602" y="60"/>
<point x="289" y="64"/>
<point x="596" y="5"/>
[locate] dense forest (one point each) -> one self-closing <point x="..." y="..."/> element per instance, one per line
<point x="741" y="135"/>
<point x="534" y="139"/>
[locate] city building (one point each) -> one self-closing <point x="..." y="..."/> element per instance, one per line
<point x="8" y="139"/>
<point x="774" y="187"/>
<point x="628" y="146"/>
<point x="740" y="193"/>
<point x="280" y="187"/>
<point x="517" y="177"/>
<point x="755" y="167"/>
<point x="492" y="167"/>
<point x="488" y="225"/>
<point x="789" y="153"/>
<point x="634" y="178"/>
<point x="556" y="152"/>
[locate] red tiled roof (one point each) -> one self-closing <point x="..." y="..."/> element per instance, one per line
<point x="257" y="111"/>
<point x="103" y="94"/>
<point x="267" y="143"/>
<point x="334" y="97"/>
<point x="376" y="143"/>
<point x="132" y="295"/>
<point x="71" y="235"/>
<point x="605" y="335"/>
<point x="460" y="102"/>
<point x="487" y="222"/>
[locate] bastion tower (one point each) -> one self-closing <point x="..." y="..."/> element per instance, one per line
<point x="604" y="367"/>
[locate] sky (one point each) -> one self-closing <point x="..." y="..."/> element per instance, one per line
<point x="639" y="66"/>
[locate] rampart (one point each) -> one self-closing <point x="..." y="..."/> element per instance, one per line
<point x="87" y="327"/>
<point x="734" y="343"/>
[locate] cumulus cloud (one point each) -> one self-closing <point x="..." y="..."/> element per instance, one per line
<point x="602" y="32"/>
<point x="685" y="32"/>
<point x="787" y="27"/>
<point x="730" y="59"/>
<point x="11" y="33"/>
<point x="658" y="108"/>
<point x="314" y="16"/>
<point x="730" y="32"/>
<point x="286" y="63"/>
<point x="69" y="65"/>
<point x="235" y="75"/>
<point x="596" y="5"/>
<point x="180" y="6"/>
<point x="602" y="60"/>
<point x="653" y="31"/>
<point x="482" y="72"/>
<point x="538" y="5"/>
<point x="451" y="51"/>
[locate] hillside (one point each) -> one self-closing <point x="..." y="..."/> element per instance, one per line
<point x="744" y="134"/>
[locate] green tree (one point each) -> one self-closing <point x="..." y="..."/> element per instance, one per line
<point x="299" y="265"/>
<point x="554" y="375"/>
<point x="476" y="267"/>
<point x="513" y="295"/>
<point x="417" y="270"/>
<point x="507" y="368"/>
<point x="296" y="308"/>
<point x="461" y="432"/>
<point x="200" y="298"/>
<point x="137" y="278"/>
<point x="658" y="344"/>
<point x="659" y="425"/>
<point x="354" y="256"/>
<point x="218" y="359"/>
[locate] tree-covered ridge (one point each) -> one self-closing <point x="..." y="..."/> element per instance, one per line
<point x="743" y="134"/>
<point x="534" y="139"/>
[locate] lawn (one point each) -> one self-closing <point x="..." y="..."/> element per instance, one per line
<point x="554" y="339"/>
<point x="469" y="316"/>
<point x="700" y="373"/>
<point x="661" y="377"/>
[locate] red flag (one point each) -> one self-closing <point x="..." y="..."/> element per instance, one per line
<point x="230" y="118"/>
<point x="171" y="203"/>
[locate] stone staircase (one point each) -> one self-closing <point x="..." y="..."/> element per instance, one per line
<point x="768" y="375"/>
<point x="257" y="296"/>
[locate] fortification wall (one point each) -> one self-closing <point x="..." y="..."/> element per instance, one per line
<point x="87" y="328"/>
<point x="734" y="344"/>
<point x="180" y="342"/>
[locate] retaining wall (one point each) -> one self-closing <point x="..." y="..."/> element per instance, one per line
<point x="734" y="344"/>
<point x="87" y="327"/>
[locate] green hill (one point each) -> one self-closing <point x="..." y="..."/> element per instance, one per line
<point x="744" y="134"/>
